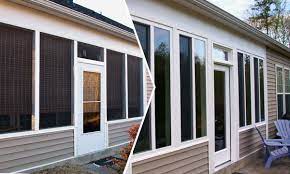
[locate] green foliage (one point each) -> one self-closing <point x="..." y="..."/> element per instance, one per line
<point x="272" y="18"/>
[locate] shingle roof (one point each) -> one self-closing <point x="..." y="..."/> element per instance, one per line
<point x="70" y="4"/>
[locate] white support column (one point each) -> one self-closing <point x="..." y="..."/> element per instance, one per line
<point x="36" y="78"/>
<point x="76" y="101"/>
<point x="152" y="60"/>
<point x="210" y="106"/>
<point x="234" y="107"/>
<point x="175" y="88"/>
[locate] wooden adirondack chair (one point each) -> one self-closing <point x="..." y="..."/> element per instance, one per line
<point x="283" y="127"/>
<point x="274" y="149"/>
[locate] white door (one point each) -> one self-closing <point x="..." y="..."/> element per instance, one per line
<point x="222" y="115"/>
<point x="90" y="119"/>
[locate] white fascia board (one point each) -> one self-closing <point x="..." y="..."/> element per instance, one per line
<point x="232" y="22"/>
<point x="67" y="13"/>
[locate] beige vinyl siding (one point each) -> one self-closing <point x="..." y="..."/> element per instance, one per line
<point x="33" y="150"/>
<point x="118" y="132"/>
<point x="193" y="159"/>
<point x="250" y="141"/>
<point x="273" y="58"/>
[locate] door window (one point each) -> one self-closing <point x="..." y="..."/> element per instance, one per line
<point x="91" y="102"/>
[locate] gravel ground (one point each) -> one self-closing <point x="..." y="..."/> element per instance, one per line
<point x="77" y="169"/>
<point x="281" y="166"/>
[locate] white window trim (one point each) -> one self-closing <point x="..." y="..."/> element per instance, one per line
<point x="253" y="118"/>
<point x="175" y="133"/>
<point x="193" y="38"/>
<point x="284" y="68"/>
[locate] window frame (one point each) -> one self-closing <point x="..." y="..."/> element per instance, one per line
<point x="252" y="80"/>
<point x="193" y="38"/>
<point x="174" y="44"/>
<point x="283" y="93"/>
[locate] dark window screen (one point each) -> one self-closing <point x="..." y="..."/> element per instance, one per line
<point x="135" y="86"/>
<point x="15" y="79"/>
<point x="116" y="106"/>
<point x="91" y="52"/>
<point x="241" y="89"/>
<point x="55" y="81"/>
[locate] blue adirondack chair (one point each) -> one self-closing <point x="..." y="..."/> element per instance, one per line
<point x="283" y="127"/>
<point x="274" y="149"/>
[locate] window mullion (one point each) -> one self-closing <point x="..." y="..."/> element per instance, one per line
<point x="36" y="79"/>
<point x="152" y="110"/>
<point x="253" y="112"/>
<point x="245" y="90"/>
<point x="126" y="86"/>
<point x="193" y="89"/>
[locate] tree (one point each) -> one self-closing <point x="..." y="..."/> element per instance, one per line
<point x="272" y="18"/>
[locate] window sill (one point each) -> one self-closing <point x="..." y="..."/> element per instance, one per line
<point x="245" y="128"/>
<point x="34" y="132"/>
<point x="125" y="120"/>
<point x="165" y="150"/>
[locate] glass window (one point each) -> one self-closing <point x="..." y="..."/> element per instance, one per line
<point x="116" y="102"/>
<point x="186" y="88"/>
<point x="16" y="47"/>
<point x="135" y="86"/>
<point x="91" y="52"/>
<point x="220" y="54"/>
<point x="220" y="110"/>
<point x="143" y="32"/>
<point x="287" y="81"/>
<point x="262" y="92"/>
<point x="280" y="106"/>
<point x="280" y="92"/>
<point x="162" y="92"/>
<point x="248" y="89"/>
<point x="241" y="72"/>
<point x="55" y="81"/>
<point x="280" y="80"/>
<point x="200" y="87"/>
<point x="144" y="139"/>
<point x="91" y="102"/>
<point x="257" y="90"/>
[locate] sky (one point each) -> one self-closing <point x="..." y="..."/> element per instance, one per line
<point x="114" y="9"/>
<point x="118" y="11"/>
<point x="237" y="8"/>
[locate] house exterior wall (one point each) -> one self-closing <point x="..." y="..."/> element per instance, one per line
<point x="29" y="149"/>
<point x="178" y="19"/>
<point x="17" y="153"/>
<point x="250" y="141"/>
<point x="273" y="59"/>
<point x="118" y="132"/>
<point x="192" y="159"/>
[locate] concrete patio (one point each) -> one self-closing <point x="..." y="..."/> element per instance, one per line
<point x="256" y="166"/>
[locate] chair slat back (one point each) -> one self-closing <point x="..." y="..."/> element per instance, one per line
<point x="283" y="127"/>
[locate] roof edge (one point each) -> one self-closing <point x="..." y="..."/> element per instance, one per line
<point x="220" y="15"/>
<point x="75" y="16"/>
